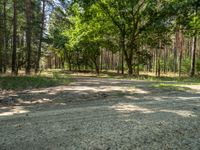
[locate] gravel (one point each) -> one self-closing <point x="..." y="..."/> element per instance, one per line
<point x="100" y="114"/>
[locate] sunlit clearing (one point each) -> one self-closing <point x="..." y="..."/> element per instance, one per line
<point x="39" y="101"/>
<point x="124" y="107"/>
<point x="182" y="113"/>
<point x="15" y="110"/>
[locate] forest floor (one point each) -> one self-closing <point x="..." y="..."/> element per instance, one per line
<point x="101" y="114"/>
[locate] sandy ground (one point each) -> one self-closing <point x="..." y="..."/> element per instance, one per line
<point x="100" y="114"/>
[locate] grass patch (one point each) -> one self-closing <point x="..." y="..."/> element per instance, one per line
<point x="174" y="87"/>
<point x="29" y="82"/>
<point x="180" y="80"/>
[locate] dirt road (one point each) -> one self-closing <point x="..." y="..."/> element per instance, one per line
<point x="101" y="114"/>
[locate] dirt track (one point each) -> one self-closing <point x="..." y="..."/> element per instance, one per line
<point x="100" y="114"/>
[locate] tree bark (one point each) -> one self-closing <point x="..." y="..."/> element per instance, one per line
<point x="96" y="64"/>
<point x="156" y="62"/>
<point x="14" y="51"/>
<point x="101" y="59"/>
<point x="180" y="46"/>
<point x="41" y="37"/>
<point x="165" y="59"/>
<point x="175" y="57"/>
<point x="193" y="58"/>
<point x="28" y="35"/>
<point x="5" y="60"/>
<point x="122" y="52"/>
<point x="1" y="44"/>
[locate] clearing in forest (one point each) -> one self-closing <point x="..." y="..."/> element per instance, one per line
<point x="107" y="114"/>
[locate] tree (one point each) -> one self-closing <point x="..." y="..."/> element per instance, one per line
<point x="5" y="60"/>
<point x="41" y="37"/>
<point x="28" y="12"/>
<point x="14" y="57"/>
<point x="195" y="26"/>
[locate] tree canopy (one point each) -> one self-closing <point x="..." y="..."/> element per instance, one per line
<point x="135" y="35"/>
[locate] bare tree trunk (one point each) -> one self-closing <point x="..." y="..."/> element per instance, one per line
<point x="101" y="59"/>
<point x="122" y="52"/>
<point x="96" y="64"/>
<point x="193" y="58"/>
<point x="159" y="57"/>
<point x="28" y="35"/>
<point x="156" y="62"/>
<point x="5" y="60"/>
<point x="180" y="45"/>
<point x="14" y="65"/>
<point x="112" y="61"/>
<point x="41" y="36"/>
<point x="165" y="59"/>
<point x="175" y="57"/>
<point x="1" y="43"/>
<point x="118" y="63"/>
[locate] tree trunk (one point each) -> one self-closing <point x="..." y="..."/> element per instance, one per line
<point x="41" y="36"/>
<point x="28" y="35"/>
<point x="122" y="52"/>
<point x="165" y="60"/>
<point x="112" y="61"/>
<point x="129" y="63"/>
<point x="68" y="60"/>
<point x="1" y="43"/>
<point x="96" y="63"/>
<point x="180" y="45"/>
<point x="14" y="51"/>
<point x="5" y="60"/>
<point x="156" y="62"/>
<point x="159" y="57"/>
<point x="193" y="58"/>
<point x="101" y="61"/>
<point x="175" y="58"/>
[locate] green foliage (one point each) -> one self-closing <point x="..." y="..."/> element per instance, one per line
<point x="186" y="65"/>
<point x="198" y="65"/>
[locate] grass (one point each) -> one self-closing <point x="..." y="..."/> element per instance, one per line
<point x="194" y="80"/>
<point x="176" y="79"/>
<point x="174" y="87"/>
<point x="30" y="82"/>
<point x="170" y="77"/>
<point x="51" y="78"/>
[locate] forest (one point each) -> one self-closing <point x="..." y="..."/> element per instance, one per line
<point x="159" y="36"/>
<point x="99" y="74"/>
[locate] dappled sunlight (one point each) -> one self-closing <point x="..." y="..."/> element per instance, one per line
<point x="123" y="96"/>
<point x="127" y="107"/>
<point x="39" y="101"/>
<point x="188" y="98"/>
<point x="13" y="111"/>
<point x="182" y="113"/>
<point x="100" y="88"/>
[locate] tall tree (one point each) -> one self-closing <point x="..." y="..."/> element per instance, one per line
<point x="14" y="51"/>
<point x="5" y="60"/>
<point x="195" y="25"/>
<point x="28" y="12"/>
<point x="41" y="37"/>
<point x="1" y="41"/>
<point x="193" y="58"/>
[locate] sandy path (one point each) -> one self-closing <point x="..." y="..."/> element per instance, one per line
<point x="100" y="114"/>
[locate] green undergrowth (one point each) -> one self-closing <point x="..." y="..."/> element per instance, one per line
<point x="30" y="82"/>
<point x="174" y="87"/>
<point x="184" y="80"/>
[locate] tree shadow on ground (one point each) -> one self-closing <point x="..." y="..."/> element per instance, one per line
<point x="103" y="92"/>
<point x="104" y="114"/>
